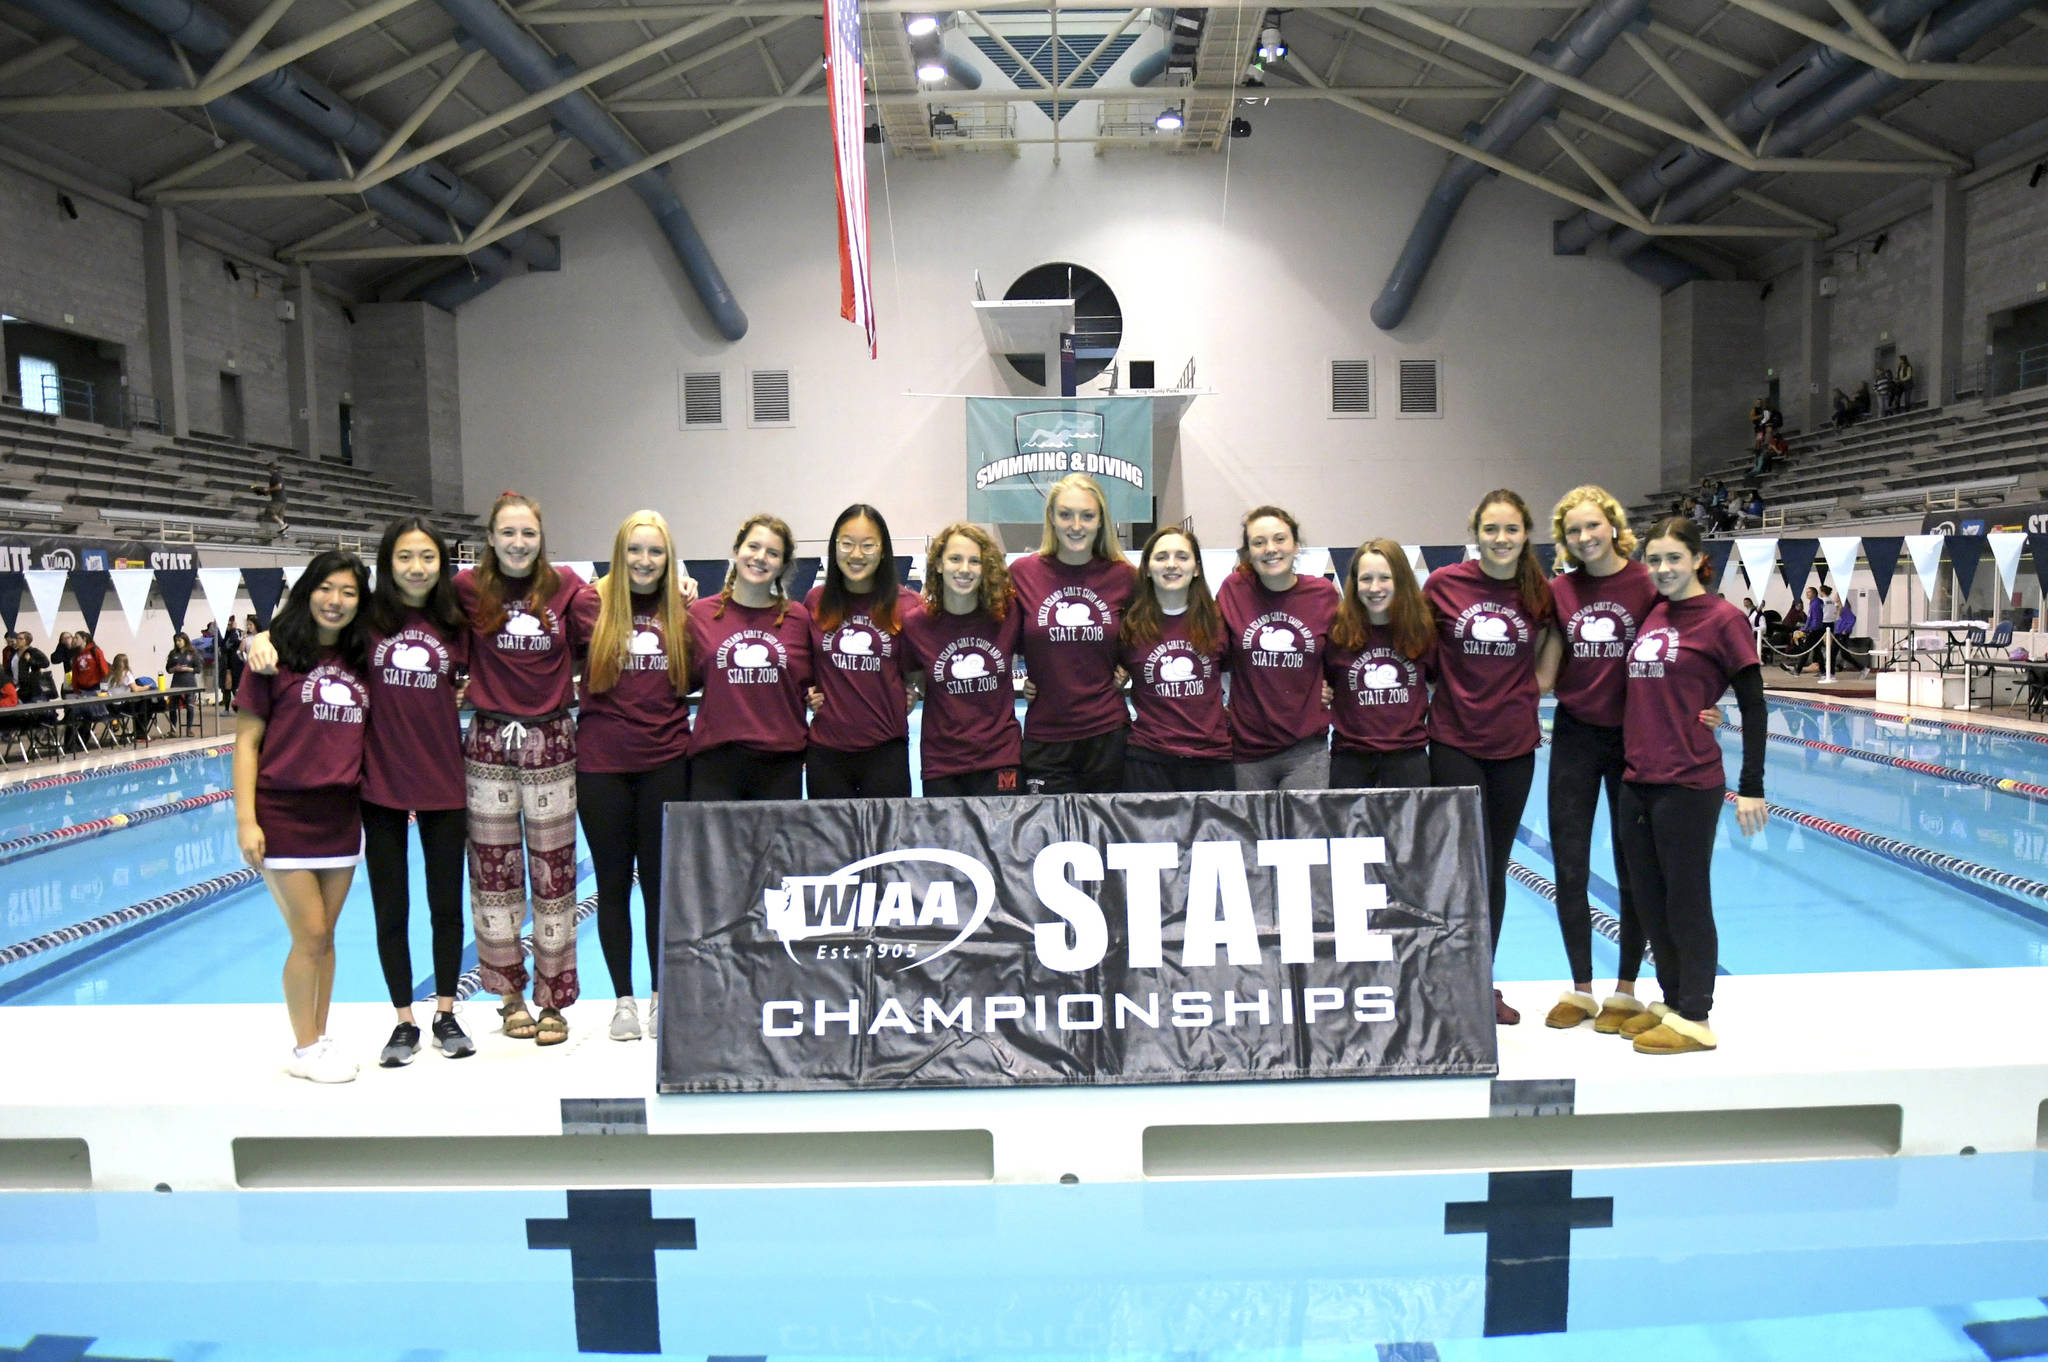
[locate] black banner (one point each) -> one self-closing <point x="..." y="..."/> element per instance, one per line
<point x="21" y="552"/>
<point x="2028" y="518"/>
<point x="1073" y="939"/>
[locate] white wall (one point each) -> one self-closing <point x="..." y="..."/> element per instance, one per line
<point x="1261" y="265"/>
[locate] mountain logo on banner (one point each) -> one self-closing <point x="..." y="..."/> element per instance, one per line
<point x="1057" y="442"/>
<point x="842" y="904"/>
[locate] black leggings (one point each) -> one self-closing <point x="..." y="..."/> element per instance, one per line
<point x="1000" y="780"/>
<point x="878" y="773"/>
<point x="1404" y="770"/>
<point x="1669" y="833"/>
<point x="1584" y="759"/>
<point x="621" y="816"/>
<point x="1150" y="772"/>
<point x="1503" y="790"/>
<point x="734" y="771"/>
<point x="444" y="834"/>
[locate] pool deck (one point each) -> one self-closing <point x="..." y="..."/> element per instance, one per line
<point x="1810" y="1066"/>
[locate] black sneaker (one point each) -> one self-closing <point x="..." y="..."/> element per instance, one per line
<point x="403" y="1045"/>
<point x="449" y="1035"/>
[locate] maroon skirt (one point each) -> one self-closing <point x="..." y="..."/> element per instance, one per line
<point x="318" y="829"/>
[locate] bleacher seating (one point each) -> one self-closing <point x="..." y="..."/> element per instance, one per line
<point x="63" y="476"/>
<point x="1926" y="459"/>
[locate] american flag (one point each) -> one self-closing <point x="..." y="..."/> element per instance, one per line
<point x="843" y="78"/>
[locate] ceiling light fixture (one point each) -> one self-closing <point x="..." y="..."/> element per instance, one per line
<point x="1169" y="120"/>
<point x="931" y="72"/>
<point x="1272" y="45"/>
<point x="918" y="25"/>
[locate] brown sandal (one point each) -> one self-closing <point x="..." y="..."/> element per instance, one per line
<point x="517" y="1022"/>
<point x="552" y="1030"/>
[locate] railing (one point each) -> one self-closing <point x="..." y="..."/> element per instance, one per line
<point x="140" y="409"/>
<point x="75" y="398"/>
<point x="975" y="123"/>
<point x="2033" y="366"/>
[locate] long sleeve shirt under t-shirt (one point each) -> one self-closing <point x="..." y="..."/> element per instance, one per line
<point x="859" y="666"/>
<point x="755" y="671"/>
<point x="1276" y="668"/>
<point x="412" y="754"/>
<point x="1070" y="616"/>
<point x="1599" y="618"/>
<point x="1177" y="691"/>
<point x="526" y="666"/>
<point x="640" y="723"/>
<point x="1683" y="661"/>
<point x="1486" y="692"/>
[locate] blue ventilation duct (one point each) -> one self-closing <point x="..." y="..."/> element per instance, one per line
<point x="1589" y="36"/>
<point x="147" y="55"/>
<point x="291" y="91"/>
<point x="527" y="62"/>
<point x="1799" y="78"/>
<point x="1954" y="30"/>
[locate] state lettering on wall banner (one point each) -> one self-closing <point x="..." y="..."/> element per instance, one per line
<point x="1018" y="447"/>
<point x="2027" y="518"/>
<point x="64" y="553"/>
<point x="1074" y="939"/>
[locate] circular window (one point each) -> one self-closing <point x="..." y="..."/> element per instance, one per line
<point x="1098" y="318"/>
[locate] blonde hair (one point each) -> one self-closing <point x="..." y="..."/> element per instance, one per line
<point x="1104" y="546"/>
<point x="776" y="525"/>
<point x="1589" y="495"/>
<point x="611" y="643"/>
<point x="995" y="592"/>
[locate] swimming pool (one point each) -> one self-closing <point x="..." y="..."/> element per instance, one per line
<point x="1796" y="899"/>
<point x="1919" y="1260"/>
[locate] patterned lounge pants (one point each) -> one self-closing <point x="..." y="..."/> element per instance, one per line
<point x="523" y="777"/>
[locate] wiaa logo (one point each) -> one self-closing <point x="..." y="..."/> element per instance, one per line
<point x="842" y="903"/>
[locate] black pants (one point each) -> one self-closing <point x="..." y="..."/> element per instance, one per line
<point x="1002" y="780"/>
<point x="1149" y="772"/>
<point x="734" y="771"/>
<point x="1669" y="833"/>
<point x="1584" y="759"/>
<point x="1503" y="791"/>
<point x="444" y="834"/>
<point x="230" y="680"/>
<point x="878" y="773"/>
<point x="1085" y="766"/>
<point x="1407" y="770"/>
<point x="621" y="816"/>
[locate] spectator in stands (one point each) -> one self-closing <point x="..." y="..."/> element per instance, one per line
<point x="1902" y="378"/>
<point x="273" y="488"/>
<point x="1845" y="409"/>
<point x="1860" y="403"/>
<point x="1700" y="513"/>
<point x="1887" y="390"/>
<point x="24" y="660"/>
<point x="88" y="664"/>
<point x="229" y="669"/>
<point x="182" y="664"/>
<point x="129" y="720"/>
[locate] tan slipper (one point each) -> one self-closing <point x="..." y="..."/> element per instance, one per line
<point x="1617" y="1009"/>
<point x="1646" y="1020"/>
<point x="1676" y="1036"/>
<point x="1571" y="1010"/>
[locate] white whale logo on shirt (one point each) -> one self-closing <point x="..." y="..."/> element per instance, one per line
<point x="646" y="642"/>
<point x="1649" y="648"/>
<point x="1598" y="629"/>
<point x="1179" y="667"/>
<point x="857" y="642"/>
<point x="1490" y="628"/>
<point x="1275" y="640"/>
<point x="967" y="666"/>
<point x="411" y="657"/>
<point x="528" y="625"/>
<point x="335" y="693"/>
<point x="1381" y="675"/>
<point x="1072" y="613"/>
<point x="750" y="655"/>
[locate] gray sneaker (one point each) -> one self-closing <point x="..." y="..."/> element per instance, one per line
<point x="626" y="1020"/>
<point x="400" y="1049"/>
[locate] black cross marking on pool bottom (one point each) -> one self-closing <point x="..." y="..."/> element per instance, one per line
<point x="1528" y="1219"/>
<point x="57" y="1348"/>
<point x="2004" y="1339"/>
<point x="611" y="1237"/>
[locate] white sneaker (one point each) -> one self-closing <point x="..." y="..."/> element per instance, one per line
<point x="322" y="1063"/>
<point x="626" y="1020"/>
<point x="653" y="1031"/>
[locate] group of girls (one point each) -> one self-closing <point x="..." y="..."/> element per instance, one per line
<point x="350" y="730"/>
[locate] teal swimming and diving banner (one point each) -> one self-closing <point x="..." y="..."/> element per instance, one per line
<point x="1017" y="447"/>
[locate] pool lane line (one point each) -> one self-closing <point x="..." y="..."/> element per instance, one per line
<point x="112" y="768"/>
<point x="2025" y="789"/>
<point x="1960" y="725"/>
<point x="22" y="847"/>
<point x="110" y="931"/>
<point x="2001" y="888"/>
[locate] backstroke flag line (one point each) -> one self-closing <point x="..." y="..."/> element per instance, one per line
<point x="848" y="101"/>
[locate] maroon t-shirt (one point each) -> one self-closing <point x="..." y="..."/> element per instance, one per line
<point x="640" y="723"/>
<point x="1382" y="694"/>
<point x="1177" y="690"/>
<point x="313" y="724"/>
<point x="755" y="671"/>
<point x="1486" y="692"/>
<point x="1599" y="617"/>
<point x="412" y="755"/>
<point x="525" y="667"/>
<point x="1071" y="614"/>
<point x="859" y="667"/>
<point x="1276" y="661"/>
<point x="1681" y="662"/>
<point x="970" y="703"/>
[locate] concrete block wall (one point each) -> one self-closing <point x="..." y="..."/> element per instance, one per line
<point x="82" y="275"/>
<point x="231" y="327"/>
<point x="2006" y="257"/>
<point x="408" y="420"/>
<point x="1886" y="299"/>
<point x="1781" y="326"/>
<point x="1712" y="332"/>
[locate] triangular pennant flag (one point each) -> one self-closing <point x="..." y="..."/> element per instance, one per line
<point x="1926" y="552"/>
<point x="803" y="574"/>
<point x="1312" y="562"/>
<point x="604" y="569"/>
<point x="1717" y="557"/>
<point x="1415" y="562"/>
<point x="221" y="586"/>
<point x="1795" y="559"/>
<point x="1757" y="557"/>
<point x="2037" y="546"/>
<point x="10" y="598"/>
<point x="292" y="572"/>
<point x="1839" y="552"/>
<point x="1881" y="551"/>
<point x="1471" y="552"/>
<point x="132" y="585"/>
<point x="1340" y="564"/>
<point x="89" y="589"/>
<point x="1440" y="556"/>
<point x="2005" y="551"/>
<point x="266" y="589"/>
<point x="1965" y="551"/>
<point x="46" y="588"/>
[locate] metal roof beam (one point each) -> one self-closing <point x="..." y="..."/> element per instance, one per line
<point x="1701" y="109"/>
<point x="1885" y="59"/>
<point x="953" y="99"/>
<point x="36" y="56"/>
